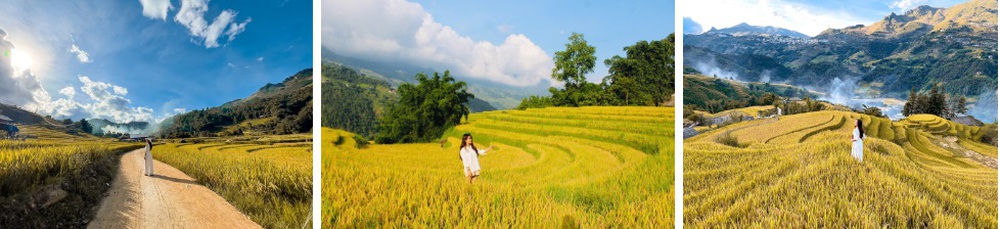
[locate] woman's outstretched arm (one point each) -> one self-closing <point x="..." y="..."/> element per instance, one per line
<point x="483" y="152"/>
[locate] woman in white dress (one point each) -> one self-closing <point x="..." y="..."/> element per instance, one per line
<point x="149" y="157"/>
<point x="470" y="157"/>
<point x="857" y="141"/>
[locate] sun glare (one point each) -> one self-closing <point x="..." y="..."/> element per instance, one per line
<point x="19" y="60"/>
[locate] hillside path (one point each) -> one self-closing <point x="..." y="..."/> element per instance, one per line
<point x="169" y="199"/>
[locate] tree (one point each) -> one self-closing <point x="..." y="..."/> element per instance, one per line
<point x="959" y="106"/>
<point x="350" y="100"/>
<point x="873" y="111"/>
<point x="768" y="99"/>
<point x="937" y="104"/>
<point x="572" y="65"/>
<point x="625" y="88"/>
<point x="575" y="62"/>
<point x="535" y="101"/>
<point x="934" y="102"/>
<point x="645" y="75"/>
<point x="908" y="107"/>
<point x="424" y="110"/>
<point x="85" y="126"/>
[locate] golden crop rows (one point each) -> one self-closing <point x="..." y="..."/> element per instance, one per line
<point x="270" y="183"/>
<point x="55" y="158"/>
<point x="553" y="166"/>
<point x="797" y="172"/>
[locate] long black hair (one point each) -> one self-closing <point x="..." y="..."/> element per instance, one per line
<point x="464" y="137"/>
<point x="861" y="129"/>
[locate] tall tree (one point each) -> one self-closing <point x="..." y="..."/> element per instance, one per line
<point x="959" y="107"/>
<point x="572" y="65"/>
<point x="85" y="126"/>
<point x="908" y="107"/>
<point x="939" y="102"/>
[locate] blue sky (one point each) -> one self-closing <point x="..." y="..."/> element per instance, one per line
<point x="540" y="28"/>
<point x="808" y="17"/>
<point x="142" y="60"/>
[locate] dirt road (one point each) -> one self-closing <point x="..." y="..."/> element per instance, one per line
<point x="169" y="199"/>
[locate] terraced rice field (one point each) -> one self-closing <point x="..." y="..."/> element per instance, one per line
<point x="592" y="167"/>
<point x="797" y="172"/>
<point x="268" y="179"/>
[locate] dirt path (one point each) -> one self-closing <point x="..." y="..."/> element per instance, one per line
<point x="169" y="199"/>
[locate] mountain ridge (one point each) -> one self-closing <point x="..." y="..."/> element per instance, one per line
<point x="954" y="48"/>
<point x="275" y="108"/>
<point x="744" y="29"/>
<point x="977" y="15"/>
<point x="498" y="95"/>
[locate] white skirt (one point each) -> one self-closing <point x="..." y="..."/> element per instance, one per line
<point x="149" y="163"/>
<point x="857" y="149"/>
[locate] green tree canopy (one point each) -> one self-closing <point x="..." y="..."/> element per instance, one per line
<point x="575" y="62"/>
<point x="425" y="110"/>
<point x="645" y="76"/>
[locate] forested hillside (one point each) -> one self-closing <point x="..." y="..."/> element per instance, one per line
<point x="281" y="108"/>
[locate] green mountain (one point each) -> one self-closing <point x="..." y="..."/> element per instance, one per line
<point x="281" y="108"/>
<point x="23" y="117"/>
<point x="354" y="99"/>
<point x="715" y="94"/>
<point x="498" y="95"/>
<point x="954" y="47"/>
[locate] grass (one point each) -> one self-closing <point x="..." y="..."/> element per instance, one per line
<point x="797" y="172"/>
<point x="575" y="167"/>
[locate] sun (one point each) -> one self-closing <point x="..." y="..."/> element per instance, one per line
<point x="20" y="60"/>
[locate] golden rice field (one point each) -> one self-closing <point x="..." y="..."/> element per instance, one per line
<point x="49" y="157"/>
<point x="591" y="167"/>
<point x="797" y="172"/>
<point x="79" y="164"/>
<point x="268" y="179"/>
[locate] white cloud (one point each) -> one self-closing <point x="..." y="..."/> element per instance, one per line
<point x="103" y="100"/>
<point x="64" y="108"/>
<point x="779" y="13"/>
<point x="81" y="55"/>
<point x="156" y="9"/>
<point x="237" y="28"/>
<point x="18" y="87"/>
<point x="192" y="16"/>
<point x="120" y="90"/>
<point x="397" y="30"/>
<point x="111" y="106"/>
<point x="906" y="4"/>
<point x="260" y="59"/>
<point x="69" y="92"/>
